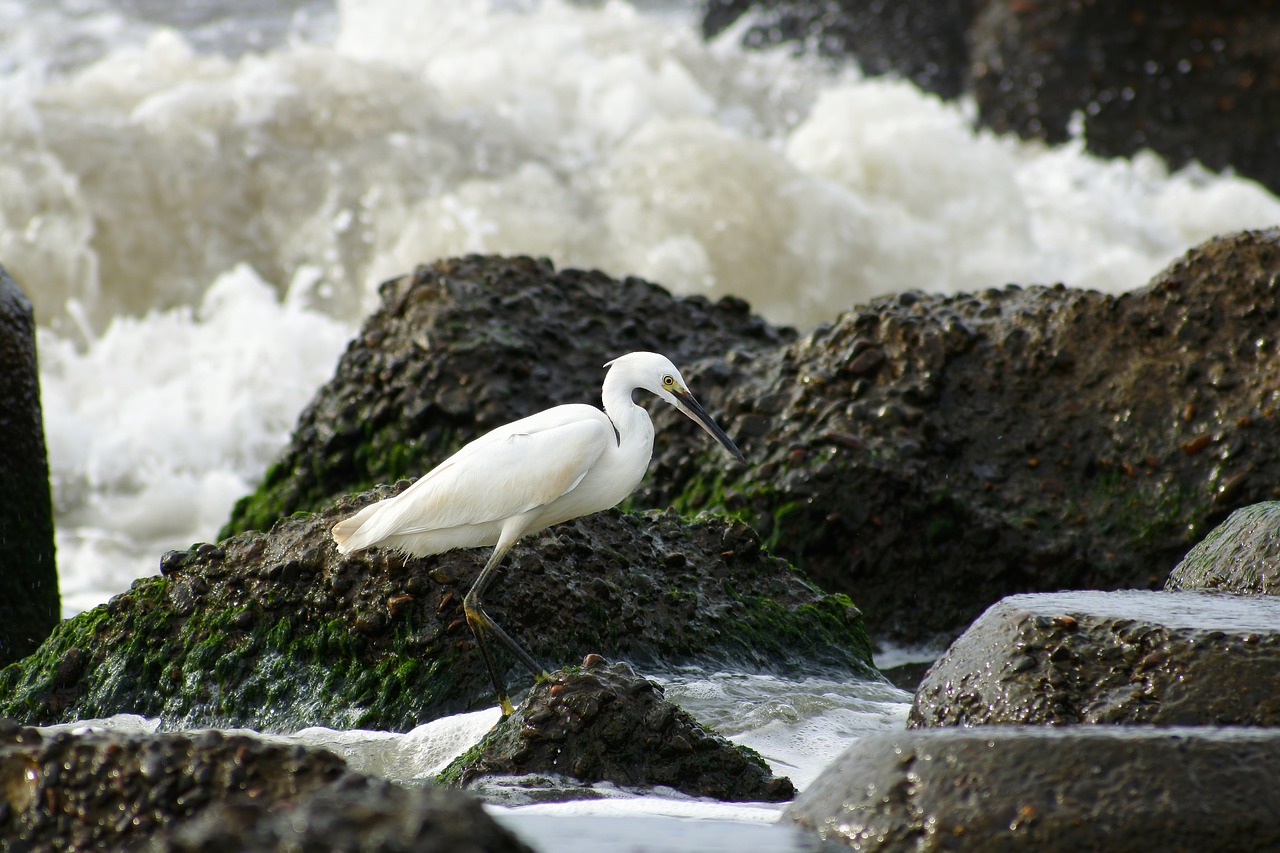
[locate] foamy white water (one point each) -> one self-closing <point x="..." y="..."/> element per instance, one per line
<point x="202" y="196"/>
<point x="798" y="725"/>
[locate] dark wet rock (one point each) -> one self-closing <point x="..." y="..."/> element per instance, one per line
<point x="278" y="631"/>
<point x="907" y="676"/>
<point x="1126" y="788"/>
<point x="1014" y="440"/>
<point x="1190" y="81"/>
<point x="603" y="723"/>
<point x="1165" y="658"/>
<point x="921" y="40"/>
<point x="468" y="344"/>
<point x="210" y="792"/>
<point x="924" y="454"/>
<point x="1240" y="555"/>
<point x="29" y="601"/>
<point x="358" y="814"/>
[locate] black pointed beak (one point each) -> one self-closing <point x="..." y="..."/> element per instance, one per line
<point x="691" y="407"/>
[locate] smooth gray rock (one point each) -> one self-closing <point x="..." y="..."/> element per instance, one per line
<point x="1167" y="658"/>
<point x="29" y="600"/>
<point x="1240" y="555"/>
<point x="1113" y="788"/>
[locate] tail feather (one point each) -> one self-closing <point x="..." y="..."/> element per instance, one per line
<point x="347" y="532"/>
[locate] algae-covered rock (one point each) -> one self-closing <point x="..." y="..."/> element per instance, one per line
<point x="1240" y="555"/>
<point x="212" y="792"/>
<point x="468" y="344"/>
<point x="277" y="631"/>
<point x="1123" y="789"/>
<point x="604" y="723"/>
<point x="1136" y="656"/>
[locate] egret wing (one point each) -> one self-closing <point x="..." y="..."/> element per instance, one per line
<point x="506" y="473"/>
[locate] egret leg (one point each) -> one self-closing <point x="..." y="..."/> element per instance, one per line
<point x="482" y="626"/>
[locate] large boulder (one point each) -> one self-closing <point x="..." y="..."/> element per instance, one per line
<point x="468" y="344"/>
<point x="211" y="792"/>
<point x="924" y="454"/>
<point x="1043" y="789"/>
<point x="278" y="631"/>
<point x="1190" y="81"/>
<point x="601" y="723"/>
<point x="29" y="600"/>
<point x="929" y="454"/>
<point x="1164" y="658"/>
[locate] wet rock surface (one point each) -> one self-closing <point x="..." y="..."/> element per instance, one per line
<point x="929" y="454"/>
<point x="924" y="454"/>
<point x="278" y="631"/>
<point x="211" y="792"/>
<point x="603" y="723"/>
<point x="1190" y="81"/>
<point x="1240" y="555"/>
<point x="1163" y="658"/>
<point x="29" y="601"/>
<point x="1050" y="789"/>
<point x="468" y="344"/>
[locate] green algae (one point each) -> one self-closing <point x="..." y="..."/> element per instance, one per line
<point x="134" y="655"/>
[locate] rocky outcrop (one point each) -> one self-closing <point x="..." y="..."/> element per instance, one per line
<point x="1111" y="788"/>
<point x="924" y="454"/>
<point x="929" y="454"/>
<point x="212" y="792"/>
<point x="1241" y="555"/>
<point x="602" y="723"/>
<point x="468" y="344"/>
<point x="277" y="631"/>
<point x="1110" y="657"/>
<point x="1190" y="81"/>
<point x="29" y="601"/>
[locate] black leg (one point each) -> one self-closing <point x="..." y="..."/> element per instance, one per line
<point x="482" y="625"/>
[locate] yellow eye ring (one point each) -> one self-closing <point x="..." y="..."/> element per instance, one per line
<point x="668" y="380"/>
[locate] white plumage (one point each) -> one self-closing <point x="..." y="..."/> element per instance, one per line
<point x="559" y="464"/>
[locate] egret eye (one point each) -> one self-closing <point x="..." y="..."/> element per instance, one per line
<point x="669" y="381"/>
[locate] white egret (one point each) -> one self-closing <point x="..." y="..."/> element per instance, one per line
<point x="559" y="464"/>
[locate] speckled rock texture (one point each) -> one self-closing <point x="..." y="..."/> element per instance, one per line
<point x="1190" y="81"/>
<point x="213" y="792"/>
<point x="1240" y="555"/>
<point x="1163" y="658"/>
<point x="1116" y="788"/>
<point x="278" y="631"/>
<point x="924" y="454"/>
<point x="29" y="600"/>
<point x="468" y="344"/>
<point x="929" y="454"/>
<point x="603" y="723"/>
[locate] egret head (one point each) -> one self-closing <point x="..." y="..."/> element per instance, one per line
<point x="655" y="373"/>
